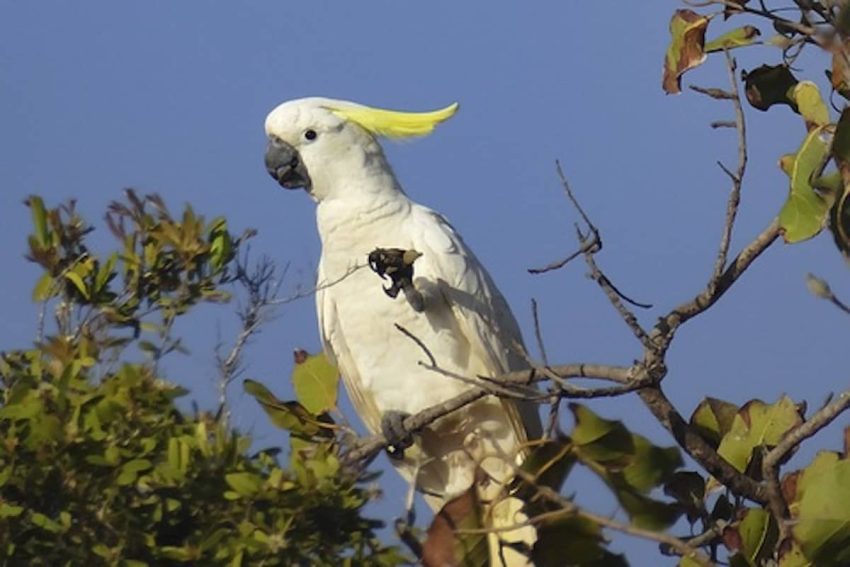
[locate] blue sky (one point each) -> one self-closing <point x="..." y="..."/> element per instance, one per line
<point x="170" y="98"/>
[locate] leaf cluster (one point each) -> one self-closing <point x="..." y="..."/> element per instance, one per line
<point x="99" y="465"/>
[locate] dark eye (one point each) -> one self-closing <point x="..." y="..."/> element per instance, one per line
<point x="310" y="135"/>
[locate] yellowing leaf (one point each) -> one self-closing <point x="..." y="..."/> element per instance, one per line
<point x="713" y="419"/>
<point x="810" y="104"/>
<point x="316" y="384"/>
<point x="805" y="211"/>
<point x="44" y="288"/>
<point x="739" y="37"/>
<point x="78" y="282"/>
<point x="687" y="31"/>
<point x="757" y="424"/>
<point x="757" y="536"/>
<point x="290" y="415"/>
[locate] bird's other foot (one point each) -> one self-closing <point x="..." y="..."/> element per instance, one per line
<point x="398" y="437"/>
<point x="396" y="265"/>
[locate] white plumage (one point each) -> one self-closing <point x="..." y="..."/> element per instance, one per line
<point x="466" y="323"/>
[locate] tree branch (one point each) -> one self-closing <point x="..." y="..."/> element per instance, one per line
<point x="368" y="447"/>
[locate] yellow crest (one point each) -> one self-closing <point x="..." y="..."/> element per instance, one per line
<point x="393" y="123"/>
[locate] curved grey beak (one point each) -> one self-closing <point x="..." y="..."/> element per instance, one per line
<point x="284" y="164"/>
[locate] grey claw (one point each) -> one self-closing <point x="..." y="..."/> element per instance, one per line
<point x="398" y="438"/>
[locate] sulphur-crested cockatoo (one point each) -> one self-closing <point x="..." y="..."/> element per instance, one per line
<point x="330" y="148"/>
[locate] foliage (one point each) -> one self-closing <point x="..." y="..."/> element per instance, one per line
<point x="805" y="522"/>
<point x="97" y="463"/>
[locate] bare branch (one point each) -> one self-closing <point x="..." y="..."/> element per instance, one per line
<point x="369" y="446"/>
<point x="262" y="286"/>
<point x="737" y="177"/>
<point x="324" y="284"/>
<point x="666" y="327"/>
<point x="538" y="335"/>
<point x="594" y="243"/>
<point x="738" y="6"/>
<point x="616" y="299"/>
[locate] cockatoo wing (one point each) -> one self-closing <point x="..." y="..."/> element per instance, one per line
<point x="481" y="312"/>
<point x="337" y="351"/>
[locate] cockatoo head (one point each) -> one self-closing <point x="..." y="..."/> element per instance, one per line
<point x="320" y="144"/>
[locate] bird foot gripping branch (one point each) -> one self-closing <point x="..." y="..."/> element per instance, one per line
<point x="396" y="265"/>
<point x="398" y="437"/>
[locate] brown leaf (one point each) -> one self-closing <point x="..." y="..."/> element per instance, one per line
<point x="444" y="547"/>
<point x="687" y="31"/>
<point x="733" y="7"/>
<point x="732" y="538"/>
<point x="789" y="486"/>
<point x="768" y="85"/>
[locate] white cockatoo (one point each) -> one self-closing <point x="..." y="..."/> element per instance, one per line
<point x="330" y="149"/>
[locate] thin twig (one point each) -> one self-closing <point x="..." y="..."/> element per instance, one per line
<point x="681" y="547"/>
<point x="538" y="335"/>
<point x="738" y="6"/>
<point x="737" y="177"/>
<point x="668" y="324"/>
<point x="370" y="446"/>
<point x="431" y="360"/>
<point x="616" y="299"/>
<point x="318" y="287"/>
<point x="586" y="245"/>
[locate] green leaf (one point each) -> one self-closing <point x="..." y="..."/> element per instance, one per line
<point x="713" y="418"/>
<point x="755" y="537"/>
<point x="645" y="512"/>
<point x="44" y="288"/>
<point x="39" y="220"/>
<point x="316" y="384"/>
<point x="600" y="440"/>
<point x="10" y="510"/>
<point x="651" y="465"/>
<point x="45" y="523"/>
<point x="739" y="37"/>
<point x="577" y="538"/>
<point x="244" y="483"/>
<point x="291" y="415"/>
<point x="78" y="282"/>
<point x="805" y="212"/>
<point x="685" y="51"/>
<point x="131" y="469"/>
<point x="757" y="424"/>
<point x="221" y="245"/>
<point x="822" y="526"/>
